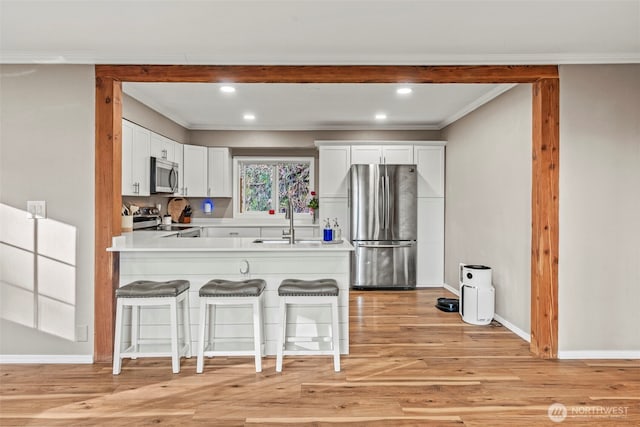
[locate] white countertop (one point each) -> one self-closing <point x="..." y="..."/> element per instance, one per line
<point x="155" y="242"/>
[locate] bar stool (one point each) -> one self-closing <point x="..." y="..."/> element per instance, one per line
<point x="308" y="292"/>
<point x="219" y="292"/>
<point x="146" y="293"/>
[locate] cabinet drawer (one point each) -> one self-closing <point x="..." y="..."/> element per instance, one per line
<point x="232" y="232"/>
<point x="301" y="232"/>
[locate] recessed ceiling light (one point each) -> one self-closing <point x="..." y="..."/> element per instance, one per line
<point x="404" y="90"/>
<point x="249" y="116"/>
<point x="227" y="89"/>
<point x="381" y="116"/>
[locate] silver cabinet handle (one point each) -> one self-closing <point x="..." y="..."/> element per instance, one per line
<point x="233" y="233"/>
<point x="244" y="267"/>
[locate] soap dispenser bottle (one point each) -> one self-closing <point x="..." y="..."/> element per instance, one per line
<point x="327" y="235"/>
<point x="337" y="232"/>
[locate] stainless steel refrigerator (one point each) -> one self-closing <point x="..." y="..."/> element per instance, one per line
<point x="383" y="201"/>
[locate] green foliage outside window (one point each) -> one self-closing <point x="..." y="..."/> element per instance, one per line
<point x="267" y="185"/>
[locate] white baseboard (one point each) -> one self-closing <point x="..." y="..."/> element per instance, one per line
<point x="428" y="286"/>
<point x="452" y="289"/>
<point x="599" y="354"/>
<point x="46" y="358"/>
<point x="510" y="326"/>
<point x="513" y="328"/>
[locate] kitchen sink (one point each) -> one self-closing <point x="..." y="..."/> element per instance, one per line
<point x="286" y="242"/>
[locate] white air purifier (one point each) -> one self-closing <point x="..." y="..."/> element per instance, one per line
<point x="477" y="295"/>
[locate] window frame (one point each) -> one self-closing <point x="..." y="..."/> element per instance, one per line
<point x="268" y="159"/>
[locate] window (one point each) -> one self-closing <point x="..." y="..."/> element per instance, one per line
<point x="262" y="185"/>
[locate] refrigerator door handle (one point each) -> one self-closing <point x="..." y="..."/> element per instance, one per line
<point x="406" y="245"/>
<point x="387" y="214"/>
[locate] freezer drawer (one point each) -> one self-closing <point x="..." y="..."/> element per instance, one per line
<point x="383" y="264"/>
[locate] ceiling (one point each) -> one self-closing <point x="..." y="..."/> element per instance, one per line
<point x="204" y="106"/>
<point x="337" y="32"/>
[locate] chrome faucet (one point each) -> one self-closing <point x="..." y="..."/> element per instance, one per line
<point x="291" y="235"/>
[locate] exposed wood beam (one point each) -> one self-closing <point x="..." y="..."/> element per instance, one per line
<point x="544" y="218"/>
<point x="544" y="238"/>
<point x="328" y="73"/>
<point x="108" y="199"/>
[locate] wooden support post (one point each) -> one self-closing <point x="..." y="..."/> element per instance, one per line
<point x="544" y="218"/>
<point x="108" y="199"/>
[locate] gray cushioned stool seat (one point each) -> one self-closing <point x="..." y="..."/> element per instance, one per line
<point x="150" y="289"/>
<point x="304" y="288"/>
<point x="228" y="288"/>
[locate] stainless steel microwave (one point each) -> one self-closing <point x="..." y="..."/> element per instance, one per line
<point x="164" y="176"/>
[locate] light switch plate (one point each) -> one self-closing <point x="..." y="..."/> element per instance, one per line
<point x="36" y="209"/>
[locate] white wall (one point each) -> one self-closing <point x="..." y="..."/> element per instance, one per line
<point x="47" y="153"/>
<point x="599" y="261"/>
<point x="488" y="199"/>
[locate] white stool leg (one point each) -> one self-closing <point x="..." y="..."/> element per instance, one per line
<point x="335" y="334"/>
<point x="117" y="360"/>
<point x="135" y="328"/>
<point x="282" y="334"/>
<point x="212" y="324"/>
<point x="186" y="324"/>
<point x="257" y="332"/>
<point x="203" y="321"/>
<point x="175" y="355"/>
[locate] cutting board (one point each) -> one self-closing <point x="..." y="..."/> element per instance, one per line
<point x="175" y="207"/>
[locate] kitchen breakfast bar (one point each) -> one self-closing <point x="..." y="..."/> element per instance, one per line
<point x="158" y="257"/>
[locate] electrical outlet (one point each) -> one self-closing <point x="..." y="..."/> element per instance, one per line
<point x="82" y="333"/>
<point x="36" y="209"/>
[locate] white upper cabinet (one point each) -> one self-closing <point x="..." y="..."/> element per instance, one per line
<point x="195" y="170"/>
<point x="430" y="162"/>
<point x="379" y="154"/>
<point x="220" y="182"/>
<point x="135" y="159"/>
<point x="335" y="161"/>
<point x="162" y="147"/>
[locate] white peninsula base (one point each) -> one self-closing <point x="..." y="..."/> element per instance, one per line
<point x="242" y="259"/>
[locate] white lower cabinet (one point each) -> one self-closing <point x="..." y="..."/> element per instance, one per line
<point x="430" y="253"/>
<point x="276" y="232"/>
<point x="232" y="232"/>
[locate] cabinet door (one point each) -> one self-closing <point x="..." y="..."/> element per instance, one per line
<point x="335" y="162"/>
<point x="219" y="172"/>
<point x="141" y="166"/>
<point x="335" y="207"/>
<point x="366" y="154"/>
<point x="430" y="161"/>
<point x="135" y="159"/>
<point x="232" y="232"/>
<point x="430" y="256"/>
<point x="179" y="159"/>
<point x="162" y="147"/>
<point x="397" y="154"/>
<point x="128" y="185"/>
<point x="195" y="171"/>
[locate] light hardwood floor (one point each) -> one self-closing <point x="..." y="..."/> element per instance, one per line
<point x="410" y="364"/>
